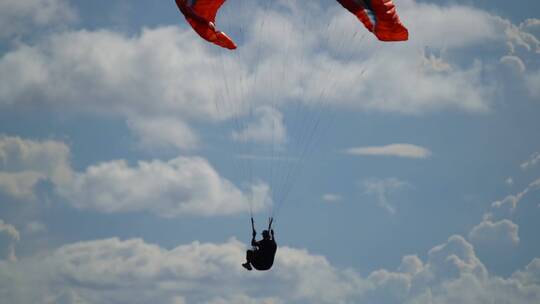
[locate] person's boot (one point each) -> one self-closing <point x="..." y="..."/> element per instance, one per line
<point x="247" y="265"/>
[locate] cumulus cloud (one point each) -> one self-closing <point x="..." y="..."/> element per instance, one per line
<point x="531" y="23"/>
<point x="501" y="234"/>
<point x="381" y="189"/>
<point x="398" y="150"/>
<point x="123" y="271"/>
<point x="514" y="62"/>
<point x="162" y="132"/>
<point x="531" y="274"/>
<point x="169" y="73"/>
<point x="19" y="185"/>
<point x="164" y="80"/>
<point x="510" y="201"/>
<point x="506" y="206"/>
<point x="430" y="80"/>
<point x="268" y="128"/>
<point x="13" y="235"/>
<point x="159" y="80"/>
<point x="22" y="16"/>
<point x="127" y="271"/>
<point x="522" y="41"/>
<point x="455" y="258"/>
<point x="23" y="163"/>
<point x="451" y="264"/>
<point x="10" y="230"/>
<point x="180" y="186"/>
<point x="430" y="62"/>
<point x="519" y="36"/>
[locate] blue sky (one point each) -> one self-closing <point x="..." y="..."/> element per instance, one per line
<point x="131" y="150"/>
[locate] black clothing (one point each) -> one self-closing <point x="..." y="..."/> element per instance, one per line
<point x="262" y="258"/>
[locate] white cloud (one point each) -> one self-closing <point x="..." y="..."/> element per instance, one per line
<point x="471" y="26"/>
<point x="164" y="132"/>
<point x="411" y="264"/>
<point x="423" y="90"/>
<point x="161" y="78"/>
<point x="398" y="150"/>
<point x="532" y="161"/>
<point x="23" y="163"/>
<point x="172" y="73"/>
<point x="14" y="236"/>
<point x="522" y="41"/>
<point x="432" y="63"/>
<point x="268" y="128"/>
<point x="531" y="23"/>
<point x="511" y="200"/>
<point x="531" y="274"/>
<point x="118" y="271"/>
<point x="455" y="258"/>
<point x="367" y="75"/>
<point x="331" y="197"/>
<point x="514" y="62"/>
<point x="48" y="157"/>
<point x="113" y="270"/>
<point x="22" y="16"/>
<point x="20" y="185"/>
<point x="452" y="274"/>
<point x="180" y="186"/>
<point x="506" y="206"/>
<point x="10" y="230"/>
<point x="501" y="234"/>
<point x="381" y="189"/>
<point x="519" y="37"/>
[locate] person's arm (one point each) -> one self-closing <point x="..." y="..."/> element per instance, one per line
<point x="272" y="233"/>
<point x="253" y="235"/>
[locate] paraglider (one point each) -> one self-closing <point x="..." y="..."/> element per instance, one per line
<point x="261" y="257"/>
<point x="282" y="160"/>
<point x="379" y="17"/>
<point x="201" y="15"/>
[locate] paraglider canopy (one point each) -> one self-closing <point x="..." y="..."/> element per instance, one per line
<point x="379" y="17"/>
<point x="201" y="15"/>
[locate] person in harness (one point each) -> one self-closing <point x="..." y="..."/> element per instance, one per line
<point x="261" y="256"/>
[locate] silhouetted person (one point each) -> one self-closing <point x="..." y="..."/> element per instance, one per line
<point x="261" y="257"/>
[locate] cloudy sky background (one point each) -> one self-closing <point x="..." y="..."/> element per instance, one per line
<point x="131" y="153"/>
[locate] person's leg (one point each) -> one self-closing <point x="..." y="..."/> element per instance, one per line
<point x="249" y="258"/>
<point x="250" y="254"/>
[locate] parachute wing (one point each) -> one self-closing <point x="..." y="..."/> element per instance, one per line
<point x="207" y="8"/>
<point x="201" y="15"/>
<point x="379" y="17"/>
